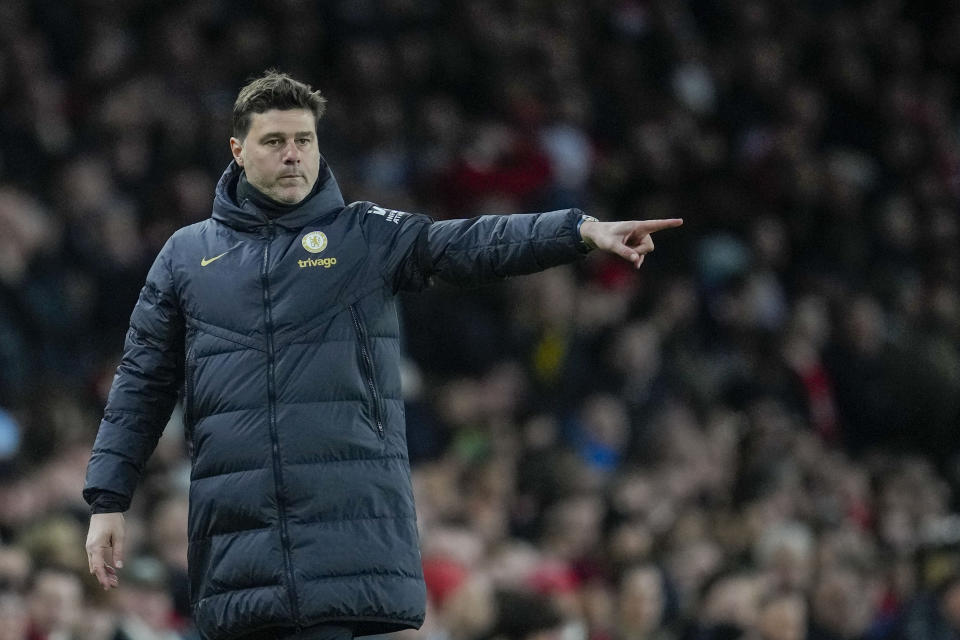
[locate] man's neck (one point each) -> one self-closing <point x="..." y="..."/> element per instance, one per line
<point x="273" y="208"/>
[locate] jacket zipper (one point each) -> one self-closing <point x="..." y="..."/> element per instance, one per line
<point x="272" y="412"/>
<point x="368" y="369"/>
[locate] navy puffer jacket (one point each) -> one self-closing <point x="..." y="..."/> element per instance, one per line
<point x="283" y="335"/>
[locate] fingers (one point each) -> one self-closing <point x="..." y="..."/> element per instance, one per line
<point x="100" y="558"/>
<point x="632" y="240"/>
<point x="118" y="549"/>
<point x="646" y="245"/>
<point x="652" y="226"/>
<point x="98" y="566"/>
<point x="106" y="575"/>
<point x="635" y="257"/>
<point x="627" y="253"/>
<point x="635" y="252"/>
<point x="641" y="244"/>
<point x="105" y="547"/>
<point x="112" y="577"/>
<point x="109" y="561"/>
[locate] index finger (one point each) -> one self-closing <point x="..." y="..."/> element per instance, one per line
<point x="651" y="226"/>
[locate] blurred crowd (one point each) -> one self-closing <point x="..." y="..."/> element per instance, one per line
<point x="753" y="437"/>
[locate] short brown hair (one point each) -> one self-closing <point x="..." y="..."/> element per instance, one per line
<point x="274" y="90"/>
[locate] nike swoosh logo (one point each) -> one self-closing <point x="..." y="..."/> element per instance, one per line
<point x="204" y="261"/>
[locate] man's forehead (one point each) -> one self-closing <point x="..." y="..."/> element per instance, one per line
<point x="286" y="120"/>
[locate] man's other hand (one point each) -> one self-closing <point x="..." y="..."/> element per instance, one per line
<point x="105" y="548"/>
<point x="630" y="239"/>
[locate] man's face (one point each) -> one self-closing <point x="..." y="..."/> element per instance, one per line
<point x="280" y="154"/>
<point x="55" y="602"/>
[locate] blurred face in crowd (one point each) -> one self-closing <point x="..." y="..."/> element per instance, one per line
<point x="843" y="603"/>
<point x="279" y="153"/>
<point x="168" y="531"/>
<point x="734" y="600"/>
<point x="950" y="605"/>
<point x="574" y="526"/>
<point x="54" y="602"/>
<point x="14" y="565"/>
<point x="470" y="611"/>
<point x="151" y="605"/>
<point x="13" y="617"/>
<point x="783" y="618"/>
<point x="642" y="600"/>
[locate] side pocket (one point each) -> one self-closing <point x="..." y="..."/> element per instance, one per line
<point x="366" y="364"/>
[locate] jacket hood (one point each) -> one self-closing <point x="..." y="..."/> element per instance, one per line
<point x="247" y="216"/>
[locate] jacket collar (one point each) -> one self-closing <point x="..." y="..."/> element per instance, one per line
<point x="246" y="216"/>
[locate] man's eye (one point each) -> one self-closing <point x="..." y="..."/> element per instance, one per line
<point x="273" y="143"/>
<point x="303" y="141"/>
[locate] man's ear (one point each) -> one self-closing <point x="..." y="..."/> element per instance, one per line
<point x="236" y="148"/>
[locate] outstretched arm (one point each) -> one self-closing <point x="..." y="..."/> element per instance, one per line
<point x="493" y="247"/>
<point x="489" y="248"/>
<point x="413" y="249"/>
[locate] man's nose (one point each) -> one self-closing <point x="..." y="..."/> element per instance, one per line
<point x="291" y="154"/>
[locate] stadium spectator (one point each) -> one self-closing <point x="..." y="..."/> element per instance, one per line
<point x="53" y="604"/>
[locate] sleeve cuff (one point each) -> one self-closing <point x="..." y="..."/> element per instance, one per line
<point x="584" y="245"/>
<point x="108" y="502"/>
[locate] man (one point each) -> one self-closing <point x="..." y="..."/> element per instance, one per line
<point x="278" y="317"/>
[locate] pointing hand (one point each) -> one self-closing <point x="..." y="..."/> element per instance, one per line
<point x="630" y="239"/>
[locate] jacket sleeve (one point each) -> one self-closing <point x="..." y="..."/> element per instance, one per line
<point x="143" y="393"/>
<point x="489" y="248"/>
<point x="470" y="252"/>
<point x="392" y="238"/>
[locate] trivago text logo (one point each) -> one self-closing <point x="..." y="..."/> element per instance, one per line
<point x="326" y="263"/>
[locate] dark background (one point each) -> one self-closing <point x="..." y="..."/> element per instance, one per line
<point x="752" y="437"/>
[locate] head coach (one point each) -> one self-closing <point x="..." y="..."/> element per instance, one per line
<point x="277" y="319"/>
